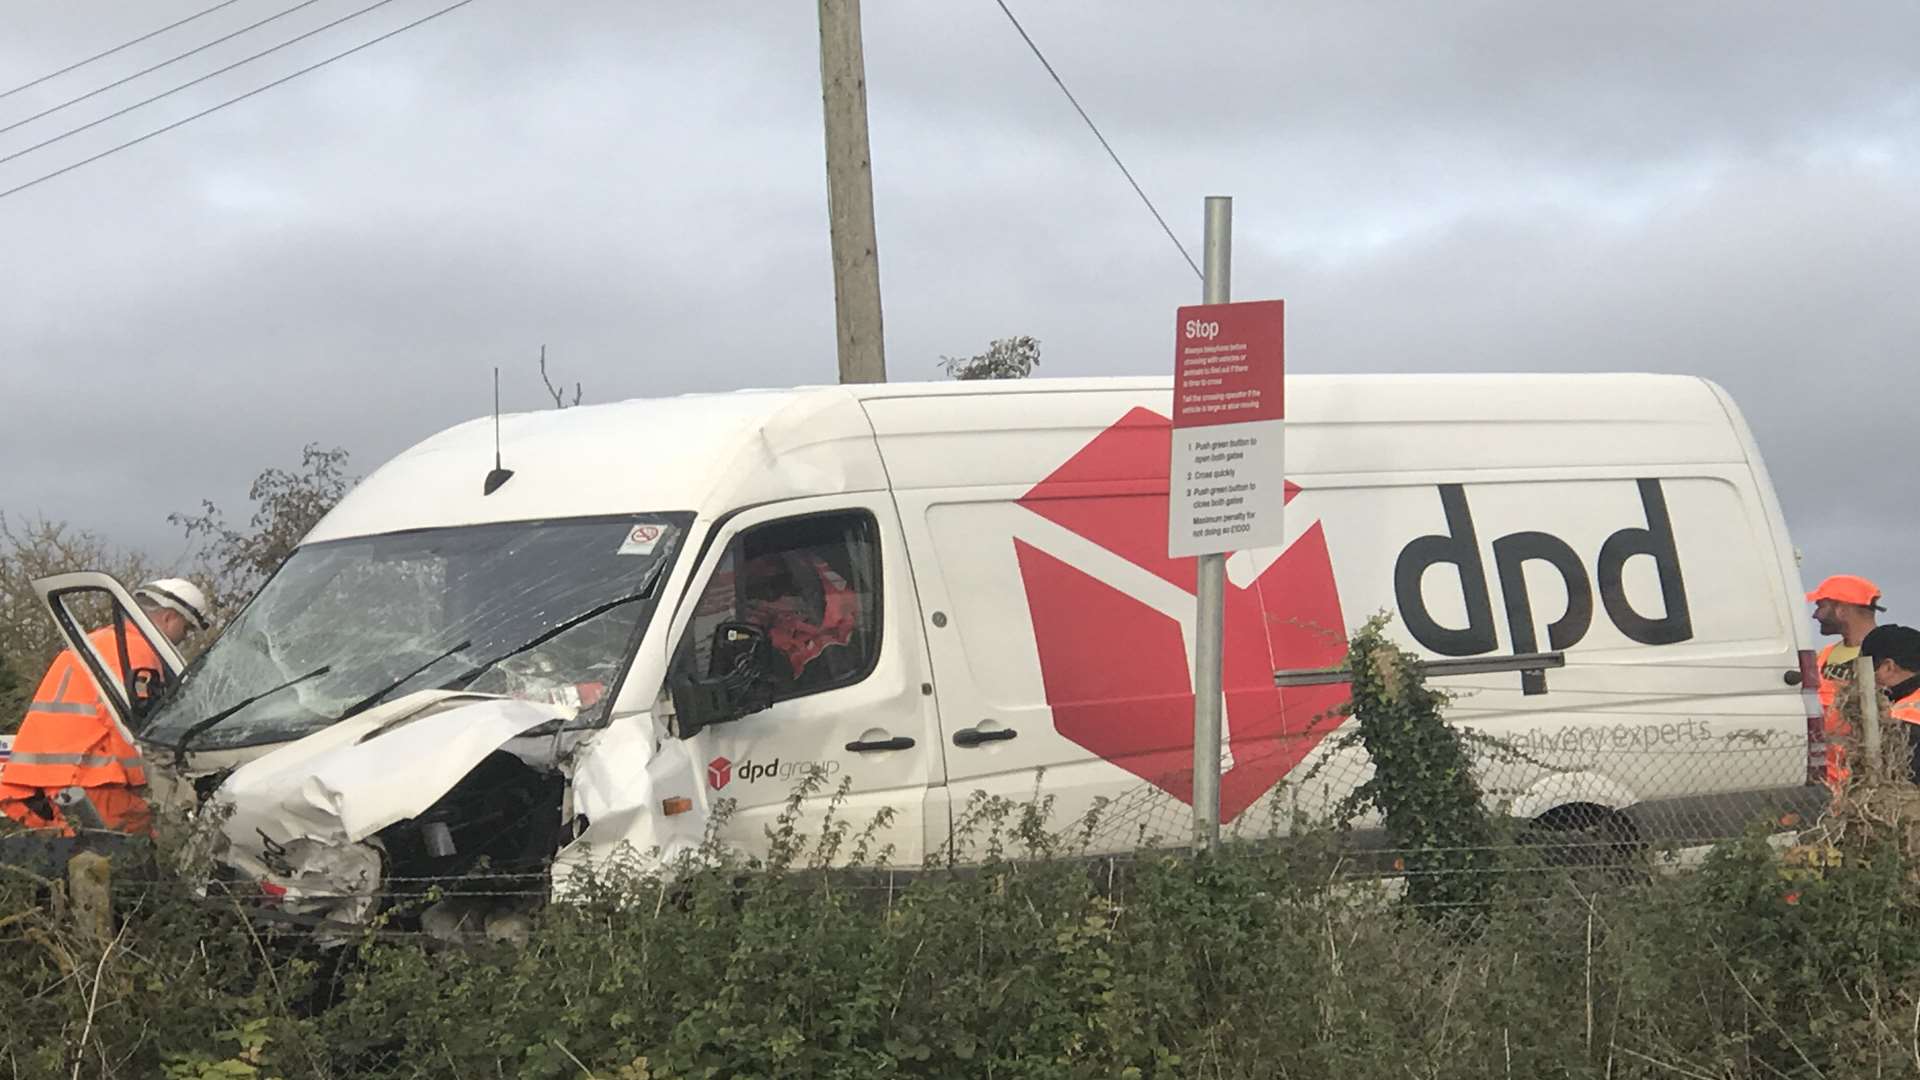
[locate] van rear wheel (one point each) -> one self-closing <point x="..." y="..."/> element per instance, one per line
<point x="1583" y="836"/>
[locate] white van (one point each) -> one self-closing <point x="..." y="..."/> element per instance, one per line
<point x="929" y="591"/>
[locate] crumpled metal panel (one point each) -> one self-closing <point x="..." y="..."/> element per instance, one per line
<point x="622" y="782"/>
<point x="299" y="816"/>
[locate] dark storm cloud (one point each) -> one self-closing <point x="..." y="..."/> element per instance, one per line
<point x="1725" y="189"/>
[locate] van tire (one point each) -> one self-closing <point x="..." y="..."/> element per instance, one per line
<point x="1584" y="836"/>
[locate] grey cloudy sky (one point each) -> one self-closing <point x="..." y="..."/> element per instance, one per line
<point x="1729" y="189"/>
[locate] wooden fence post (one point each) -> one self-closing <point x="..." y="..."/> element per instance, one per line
<point x="90" y="895"/>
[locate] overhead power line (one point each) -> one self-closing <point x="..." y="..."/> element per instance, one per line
<point x="71" y="132"/>
<point x="1091" y="126"/>
<point x="123" y="45"/>
<point x="236" y="99"/>
<point x="150" y="70"/>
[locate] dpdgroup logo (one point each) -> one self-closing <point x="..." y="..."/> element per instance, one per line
<point x="1115" y="668"/>
<point x="722" y="770"/>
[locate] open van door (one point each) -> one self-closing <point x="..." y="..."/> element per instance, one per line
<point x="86" y="602"/>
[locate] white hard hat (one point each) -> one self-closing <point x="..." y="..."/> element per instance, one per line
<point x="177" y="595"/>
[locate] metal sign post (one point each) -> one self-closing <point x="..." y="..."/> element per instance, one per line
<point x="1226" y="486"/>
<point x="1209" y="626"/>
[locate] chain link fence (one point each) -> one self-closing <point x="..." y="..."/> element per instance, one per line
<point x="1589" y="770"/>
<point x="1662" y="771"/>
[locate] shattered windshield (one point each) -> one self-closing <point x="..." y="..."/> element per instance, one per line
<point x="546" y="611"/>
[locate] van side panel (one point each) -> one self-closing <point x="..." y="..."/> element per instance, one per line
<point x="1785" y="556"/>
<point x="1648" y="558"/>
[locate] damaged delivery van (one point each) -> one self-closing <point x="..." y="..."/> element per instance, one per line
<point x="639" y="609"/>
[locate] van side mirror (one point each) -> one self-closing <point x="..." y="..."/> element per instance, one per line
<point x="735" y="685"/>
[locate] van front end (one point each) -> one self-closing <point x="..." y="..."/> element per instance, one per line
<point x="431" y="711"/>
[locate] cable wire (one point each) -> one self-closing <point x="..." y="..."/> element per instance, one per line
<point x="150" y="70"/>
<point x="69" y="133"/>
<point x="1057" y="81"/>
<point x="123" y="45"/>
<point x="232" y="100"/>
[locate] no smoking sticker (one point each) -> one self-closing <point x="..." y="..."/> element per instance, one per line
<point x="641" y="539"/>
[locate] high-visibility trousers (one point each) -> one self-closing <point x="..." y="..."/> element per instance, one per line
<point x="71" y="809"/>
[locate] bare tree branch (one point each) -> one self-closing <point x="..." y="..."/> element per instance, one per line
<point x="286" y="505"/>
<point x="559" y="395"/>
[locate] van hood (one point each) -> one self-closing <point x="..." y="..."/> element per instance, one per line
<point x="312" y="820"/>
<point x="343" y="786"/>
<point x="299" y="818"/>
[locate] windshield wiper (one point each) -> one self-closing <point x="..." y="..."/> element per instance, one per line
<point x="645" y="590"/>
<point x="461" y="681"/>
<point x="187" y="736"/>
<point x="373" y="699"/>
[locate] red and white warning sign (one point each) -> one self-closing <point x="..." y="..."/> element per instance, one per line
<point x="641" y="539"/>
<point x="1228" y="479"/>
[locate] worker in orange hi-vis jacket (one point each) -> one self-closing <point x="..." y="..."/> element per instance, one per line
<point x="1844" y="605"/>
<point x="1895" y="651"/>
<point x="70" y="767"/>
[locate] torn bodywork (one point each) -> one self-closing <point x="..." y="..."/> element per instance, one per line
<point x="458" y="683"/>
<point x="427" y="710"/>
<point x="486" y="801"/>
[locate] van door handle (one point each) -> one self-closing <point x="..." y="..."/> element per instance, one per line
<point x="974" y="736"/>
<point x="863" y="746"/>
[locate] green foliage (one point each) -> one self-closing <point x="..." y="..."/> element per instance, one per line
<point x="1005" y="358"/>
<point x="1422" y="782"/>
<point x="247" y="1044"/>
<point x="1014" y="954"/>
<point x="1254" y="960"/>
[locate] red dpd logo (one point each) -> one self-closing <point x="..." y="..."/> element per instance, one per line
<point x="719" y="771"/>
<point x="1116" y="670"/>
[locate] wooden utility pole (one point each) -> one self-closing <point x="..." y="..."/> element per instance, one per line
<point x="856" y="258"/>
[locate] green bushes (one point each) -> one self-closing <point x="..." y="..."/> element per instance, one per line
<point x="1256" y="959"/>
<point x="1423" y="782"/>
<point x="1253" y="961"/>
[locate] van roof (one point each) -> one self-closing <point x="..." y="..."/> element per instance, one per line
<point x="711" y="452"/>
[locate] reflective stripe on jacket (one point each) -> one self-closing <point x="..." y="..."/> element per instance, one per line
<point x="68" y="738"/>
<point x="1835" y="727"/>
<point x="1907" y="710"/>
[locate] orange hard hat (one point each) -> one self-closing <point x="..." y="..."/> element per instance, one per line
<point x="1848" y="589"/>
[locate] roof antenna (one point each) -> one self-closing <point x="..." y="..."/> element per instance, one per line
<point x="500" y="474"/>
